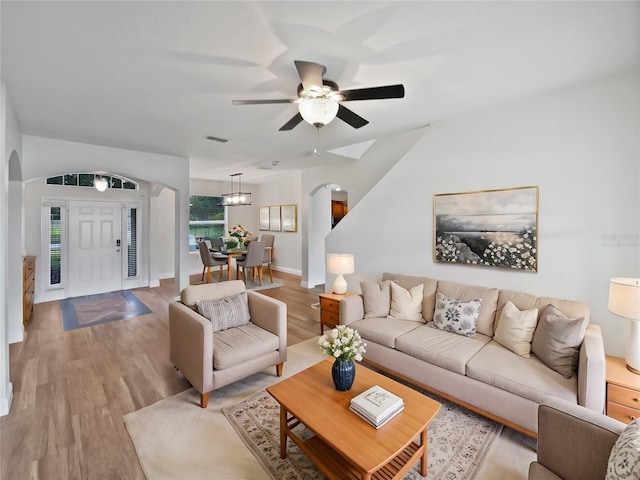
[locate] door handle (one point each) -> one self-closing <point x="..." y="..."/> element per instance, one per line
<point x="118" y="243"/>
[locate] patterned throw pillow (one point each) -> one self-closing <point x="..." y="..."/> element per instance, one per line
<point x="624" y="460"/>
<point x="457" y="316"/>
<point x="228" y="312"/>
<point x="406" y="304"/>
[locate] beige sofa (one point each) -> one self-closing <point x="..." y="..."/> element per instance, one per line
<point x="574" y="443"/>
<point x="478" y="373"/>
<point x="210" y="360"/>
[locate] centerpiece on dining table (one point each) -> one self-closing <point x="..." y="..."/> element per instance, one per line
<point x="237" y="236"/>
<point x="345" y="345"/>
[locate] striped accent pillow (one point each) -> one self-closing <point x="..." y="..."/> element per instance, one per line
<point x="228" y="312"/>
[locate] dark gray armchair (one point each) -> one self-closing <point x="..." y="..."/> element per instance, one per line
<point x="574" y="442"/>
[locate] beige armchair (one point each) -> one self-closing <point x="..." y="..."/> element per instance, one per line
<point x="574" y="442"/>
<point x="210" y="360"/>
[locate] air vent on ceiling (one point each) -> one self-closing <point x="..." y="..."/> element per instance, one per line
<point x="216" y="139"/>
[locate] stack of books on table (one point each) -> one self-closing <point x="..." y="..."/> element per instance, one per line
<point x="376" y="405"/>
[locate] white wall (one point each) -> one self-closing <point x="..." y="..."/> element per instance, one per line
<point x="357" y="177"/>
<point x="287" y="246"/>
<point x="579" y="144"/>
<point x="10" y="275"/>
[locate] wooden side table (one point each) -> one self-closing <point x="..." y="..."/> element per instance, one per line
<point x="330" y="309"/>
<point x="623" y="391"/>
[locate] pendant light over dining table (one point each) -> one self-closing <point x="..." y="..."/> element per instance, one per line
<point x="234" y="198"/>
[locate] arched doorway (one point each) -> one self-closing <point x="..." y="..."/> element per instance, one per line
<point x="323" y="217"/>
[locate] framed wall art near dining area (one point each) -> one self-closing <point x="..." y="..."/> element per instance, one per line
<point x="289" y="218"/>
<point x="264" y="218"/>
<point x="497" y="228"/>
<point x="274" y="218"/>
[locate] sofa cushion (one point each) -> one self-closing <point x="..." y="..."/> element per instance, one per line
<point x="228" y="312"/>
<point x="624" y="459"/>
<point x="557" y="340"/>
<point x="237" y="345"/>
<point x="526" y="377"/>
<point x="384" y="330"/>
<point x="489" y="298"/>
<point x="406" y="304"/>
<point x="410" y="281"/>
<point x="441" y="348"/>
<point x="376" y="298"/>
<point x="457" y="316"/>
<point x="515" y="329"/>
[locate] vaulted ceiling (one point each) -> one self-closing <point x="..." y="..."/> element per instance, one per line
<point x="160" y="76"/>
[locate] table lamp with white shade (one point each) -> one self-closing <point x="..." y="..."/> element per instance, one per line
<point x="624" y="301"/>
<point x="340" y="264"/>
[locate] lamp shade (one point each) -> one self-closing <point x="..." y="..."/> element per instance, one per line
<point x="318" y="111"/>
<point x="624" y="297"/>
<point x="340" y="263"/>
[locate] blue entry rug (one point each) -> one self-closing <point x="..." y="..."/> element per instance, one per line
<point x="102" y="308"/>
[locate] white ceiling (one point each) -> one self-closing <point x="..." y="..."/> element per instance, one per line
<point x="160" y="76"/>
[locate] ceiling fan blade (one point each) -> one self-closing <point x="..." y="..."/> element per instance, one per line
<point x="373" y="93"/>
<point x="291" y="123"/>
<point x="353" y="119"/>
<point x="310" y="74"/>
<point x="263" y="102"/>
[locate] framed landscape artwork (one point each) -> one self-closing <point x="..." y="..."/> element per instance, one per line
<point x="496" y="228"/>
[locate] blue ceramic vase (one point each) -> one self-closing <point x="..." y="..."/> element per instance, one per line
<point x="343" y="373"/>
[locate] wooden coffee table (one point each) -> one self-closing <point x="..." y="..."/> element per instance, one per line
<point x="344" y="446"/>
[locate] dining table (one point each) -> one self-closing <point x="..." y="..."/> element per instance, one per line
<point x="233" y="252"/>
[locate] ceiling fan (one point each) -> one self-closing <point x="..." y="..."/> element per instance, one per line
<point x="319" y="99"/>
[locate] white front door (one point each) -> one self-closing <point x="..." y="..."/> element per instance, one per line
<point x="95" y="261"/>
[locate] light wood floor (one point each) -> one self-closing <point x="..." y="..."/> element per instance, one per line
<point x="71" y="389"/>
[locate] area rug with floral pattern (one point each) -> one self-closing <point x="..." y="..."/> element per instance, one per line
<point x="458" y="441"/>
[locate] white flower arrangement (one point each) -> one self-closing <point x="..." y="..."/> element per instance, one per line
<point x="343" y="343"/>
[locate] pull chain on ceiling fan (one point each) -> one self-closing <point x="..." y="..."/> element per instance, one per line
<point x="319" y="99"/>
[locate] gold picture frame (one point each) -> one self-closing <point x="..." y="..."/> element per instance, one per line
<point x="289" y="217"/>
<point x="264" y="218"/>
<point x="274" y="218"/>
<point x="496" y="228"/>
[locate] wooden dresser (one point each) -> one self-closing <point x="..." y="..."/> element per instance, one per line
<point x="623" y="391"/>
<point x="28" y="286"/>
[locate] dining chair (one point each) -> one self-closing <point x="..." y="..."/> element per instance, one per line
<point x="216" y="244"/>
<point x="209" y="261"/>
<point x="253" y="259"/>
<point x="268" y="240"/>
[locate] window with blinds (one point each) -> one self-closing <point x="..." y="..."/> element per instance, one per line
<point x="55" y="246"/>
<point x="132" y="241"/>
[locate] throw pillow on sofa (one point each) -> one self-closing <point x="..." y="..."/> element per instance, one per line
<point x="624" y="459"/>
<point x="406" y="304"/>
<point x="557" y="340"/>
<point x="515" y="329"/>
<point x="376" y="298"/>
<point x="457" y="316"/>
<point x="227" y="312"/>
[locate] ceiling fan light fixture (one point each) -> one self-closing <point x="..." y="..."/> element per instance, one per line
<point x="318" y="111"/>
